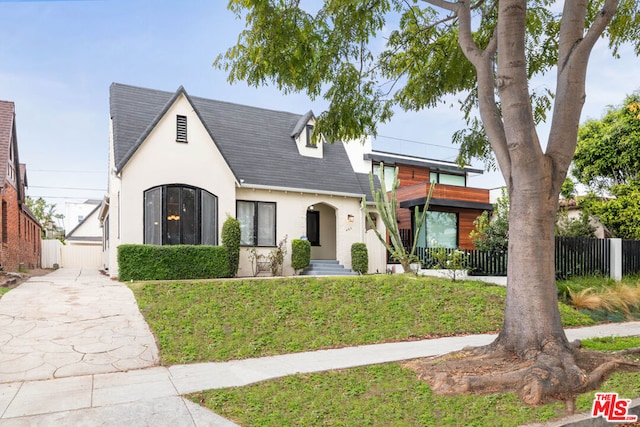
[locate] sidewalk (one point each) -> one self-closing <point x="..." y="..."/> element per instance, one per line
<point x="97" y="321"/>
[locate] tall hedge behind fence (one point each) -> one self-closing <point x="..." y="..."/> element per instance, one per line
<point x="575" y="256"/>
<point x="171" y="262"/>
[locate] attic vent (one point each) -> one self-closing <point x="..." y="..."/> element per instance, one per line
<point x="181" y="128"/>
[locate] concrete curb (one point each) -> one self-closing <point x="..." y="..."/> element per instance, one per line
<point x="586" y="420"/>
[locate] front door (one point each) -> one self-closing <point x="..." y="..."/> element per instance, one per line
<point x="313" y="227"/>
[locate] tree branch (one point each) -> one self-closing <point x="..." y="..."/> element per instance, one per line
<point x="489" y="112"/>
<point x="573" y="56"/>
<point x="465" y="35"/>
<point x="483" y="61"/>
<point x="444" y="4"/>
<point x="604" y="18"/>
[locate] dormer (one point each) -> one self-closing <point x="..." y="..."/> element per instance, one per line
<point x="302" y="135"/>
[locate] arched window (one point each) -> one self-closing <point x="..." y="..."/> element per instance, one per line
<point x="180" y="215"/>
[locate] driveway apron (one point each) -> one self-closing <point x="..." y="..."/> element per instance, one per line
<point x="72" y="322"/>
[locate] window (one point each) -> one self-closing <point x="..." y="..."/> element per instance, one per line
<point x="105" y="234"/>
<point x="448" y="179"/>
<point x="180" y="215"/>
<point x="440" y="230"/>
<point x="5" y="222"/>
<point x="374" y="220"/>
<point x="308" y="133"/>
<point x="257" y="223"/>
<point x="11" y="166"/>
<point x="389" y="175"/>
<point x="181" y="128"/>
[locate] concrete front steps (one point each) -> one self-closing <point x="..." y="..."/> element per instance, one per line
<point x="324" y="267"/>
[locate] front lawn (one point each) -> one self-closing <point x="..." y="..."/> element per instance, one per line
<point x="390" y="395"/>
<point x="217" y="320"/>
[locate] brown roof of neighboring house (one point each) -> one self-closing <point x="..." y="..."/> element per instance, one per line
<point x="7" y="117"/>
<point x="23" y="174"/>
<point x="568" y="203"/>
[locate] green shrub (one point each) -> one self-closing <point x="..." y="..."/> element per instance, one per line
<point x="152" y="262"/>
<point x="231" y="241"/>
<point x="300" y="253"/>
<point x="276" y="257"/>
<point x="359" y="258"/>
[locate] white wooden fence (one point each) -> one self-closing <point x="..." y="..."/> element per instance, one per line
<point x="75" y="255"/>
<point x="51" y="253"/>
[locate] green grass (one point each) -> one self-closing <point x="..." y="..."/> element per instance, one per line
<point x="4" y="291"/>
<point x="389" y="395"/>
<point x="232" y="319"/>
<point x="235" y="319"/>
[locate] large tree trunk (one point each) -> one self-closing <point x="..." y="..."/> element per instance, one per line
<point x="532" y="317"/>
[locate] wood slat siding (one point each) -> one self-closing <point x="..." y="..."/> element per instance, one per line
<point x="404" y="217"/>
<point x="411" y="175"/>
<point x="441" y="191"/>
<point x="412" y="192"/>
<point x="465" y="227"/>
<point x="452" y="192"/>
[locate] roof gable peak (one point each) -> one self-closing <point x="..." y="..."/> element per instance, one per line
<point x="163" y="111"/>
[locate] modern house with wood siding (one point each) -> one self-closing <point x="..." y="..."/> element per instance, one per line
<point x="453" y="208"/>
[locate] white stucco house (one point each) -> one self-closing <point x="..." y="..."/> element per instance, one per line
<point x="77" y="211"/>
<point x="179" y="164"/>
<point x="83" y="247"/>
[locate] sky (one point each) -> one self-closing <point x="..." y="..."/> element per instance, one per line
<point x="58" y="59"/>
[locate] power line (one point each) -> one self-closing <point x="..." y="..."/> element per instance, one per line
<point x="61" y="197"/>
<point x="67" y="188"/>
<point x="63" y="171"/>
<point x="417" y="142"/>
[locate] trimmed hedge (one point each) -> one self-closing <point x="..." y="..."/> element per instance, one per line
<point x="231" y="241"/>
<point x="359" y="258"/>
<point x="171" y="262"/>
<point x="300" y="253"/>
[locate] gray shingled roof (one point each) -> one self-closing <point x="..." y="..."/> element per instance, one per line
<point x="257" y="143"/>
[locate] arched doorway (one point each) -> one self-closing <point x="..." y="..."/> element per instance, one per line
<point x="321" y="231"/>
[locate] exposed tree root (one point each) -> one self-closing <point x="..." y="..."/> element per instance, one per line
<point x="557" y="372"/>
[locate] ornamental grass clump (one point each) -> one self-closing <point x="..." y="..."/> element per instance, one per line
<point x="620" y="298"/>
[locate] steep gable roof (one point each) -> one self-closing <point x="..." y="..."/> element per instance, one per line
<point x="92" y="216"/>
<point x="256" y="143"/>
<point x="7" y="116"/>
<point x="302" y="123"/>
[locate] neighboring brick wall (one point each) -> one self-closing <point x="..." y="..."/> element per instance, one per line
<point x="20" y="243"/>
<point x="30" y="242"/>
